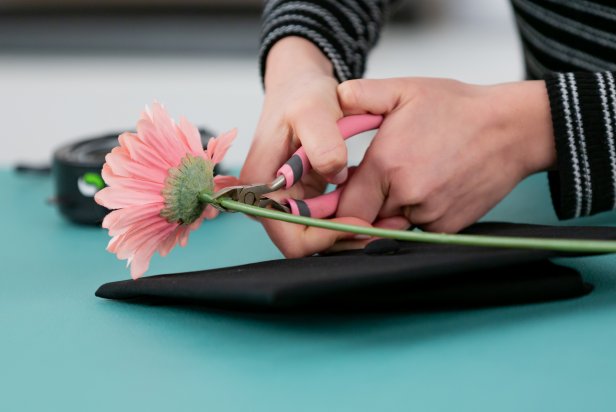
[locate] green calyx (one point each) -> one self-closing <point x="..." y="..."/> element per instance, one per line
<point x="193" y="177"/>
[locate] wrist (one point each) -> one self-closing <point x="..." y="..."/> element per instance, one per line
<point x="292" y="58"/>
<point x="525" y="108"/>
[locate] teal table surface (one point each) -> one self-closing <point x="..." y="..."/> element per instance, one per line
<point x="63" y="349"/>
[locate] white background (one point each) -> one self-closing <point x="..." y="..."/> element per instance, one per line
<point x="48" y="99"/>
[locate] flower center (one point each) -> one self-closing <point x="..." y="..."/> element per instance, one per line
<point x="183" y="185"/>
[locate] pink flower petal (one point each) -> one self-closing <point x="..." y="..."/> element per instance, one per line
<point x="143" y="221"/>
<point x="217" y="147"/>
<point x="141" y="153"/>
<point x="183" y="235"/>
<point x="163" y="122"/>
<point x="128" y="215"/>
<point x="112" y="198"/>
<point x="169" y="242"/>
<point x="209" y="212"/>
<point x="191" y="137"/>
<point x="222" y="181"/>
<point x="129" y="183"/>
<point x="140" y="260"/>
<point x="134" y="216"/>
<point x="112" y="246"/>
<point x="122" y="165"/>
<point x="146" y="114"/>
<point x="135" y="237"/>
<point x="112" y="218"/>
<point x="168" y="147"/>
<point x="149" y="136"/>
<point x="166" y="134"/>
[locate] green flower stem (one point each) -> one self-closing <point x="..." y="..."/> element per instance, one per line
<point x="561" y="245"/>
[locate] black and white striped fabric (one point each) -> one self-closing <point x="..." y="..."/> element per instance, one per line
<point x="345" y="31"/>
<point x="569" y="43"/>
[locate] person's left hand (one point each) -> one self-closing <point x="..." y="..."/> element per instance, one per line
<point x="447" y="152"/>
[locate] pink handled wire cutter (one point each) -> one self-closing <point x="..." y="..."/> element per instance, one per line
<point x="292" y="171"/>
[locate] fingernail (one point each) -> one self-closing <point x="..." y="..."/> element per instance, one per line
<point x="361" y="237"/>
<point x="341" y="177"/>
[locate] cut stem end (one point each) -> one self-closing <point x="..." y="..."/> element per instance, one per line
<point x="207" y="198"/>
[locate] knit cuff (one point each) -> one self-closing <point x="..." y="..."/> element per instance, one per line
<point x="343" y="31"/>
<point x="583" y="107"/>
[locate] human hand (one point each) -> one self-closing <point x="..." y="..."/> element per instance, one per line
<point x="300" y="108"/>
<point x="447" y="152"/>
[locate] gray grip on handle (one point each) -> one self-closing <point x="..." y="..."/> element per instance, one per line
<point x="297" y="166"/>
<point x="302" y="208"/>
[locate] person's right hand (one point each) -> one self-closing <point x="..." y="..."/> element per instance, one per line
<point x="300" y="109"/>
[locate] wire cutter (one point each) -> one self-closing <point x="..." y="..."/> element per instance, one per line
<point x="292" y="171"/>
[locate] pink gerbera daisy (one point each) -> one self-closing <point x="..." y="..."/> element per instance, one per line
<point x="153" y="181"/>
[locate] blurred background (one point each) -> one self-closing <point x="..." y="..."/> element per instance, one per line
<point x="73" y="69"/>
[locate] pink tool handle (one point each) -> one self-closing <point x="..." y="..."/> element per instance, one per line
<point x="320" y="207"/>
<point x="298" y="165"/>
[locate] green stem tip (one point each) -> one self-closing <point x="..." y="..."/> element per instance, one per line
<point x="560" y="245"/>
<point x="207" y="198"/>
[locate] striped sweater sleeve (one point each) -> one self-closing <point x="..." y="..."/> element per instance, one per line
<point x="583" y="108"/>
<point x="572" y="45"/>
<point x="344" y="30"/>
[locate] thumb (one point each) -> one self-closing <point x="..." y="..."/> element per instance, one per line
<point x="369" y="96"/>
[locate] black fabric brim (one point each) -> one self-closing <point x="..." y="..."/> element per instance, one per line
<point x="385" y="275"/>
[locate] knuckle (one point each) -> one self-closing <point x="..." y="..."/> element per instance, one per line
<point x="331" y="160"/>
<point x="350" y="91"/>
<point x="416" y="193"/>
<point x="423" y="214"/>
<point x="423" y="188"/>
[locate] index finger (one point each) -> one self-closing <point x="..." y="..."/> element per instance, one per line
<point x="318" y="132"/>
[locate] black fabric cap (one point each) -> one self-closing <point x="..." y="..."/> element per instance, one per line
<point x="386" y="275"/>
